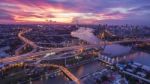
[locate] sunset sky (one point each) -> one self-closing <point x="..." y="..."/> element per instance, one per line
<point x="72" y="11"/>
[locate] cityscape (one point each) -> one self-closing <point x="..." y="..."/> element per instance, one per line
<point x="74" y="42"/>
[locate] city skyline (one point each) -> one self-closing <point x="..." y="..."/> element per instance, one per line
<point x="74" y="42"/>
<point x="72" y="11"/>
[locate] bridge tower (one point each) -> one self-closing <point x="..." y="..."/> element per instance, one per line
<point x="81" y="49"/>
<point x="105" y="34"/>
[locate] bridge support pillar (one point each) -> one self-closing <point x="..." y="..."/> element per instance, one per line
<point x="30" y="79"/>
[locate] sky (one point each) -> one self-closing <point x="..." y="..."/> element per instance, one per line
<point x="75" y="11"/>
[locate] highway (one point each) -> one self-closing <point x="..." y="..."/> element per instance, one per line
<point x="24" y="57"/>
<point x="63" y="69"/>
<point x="56" y="50"/>
<point x="18" y="50"/>
<point x="30" y="55"/>
<point x="21" y="58"/>
<point x="27" y="41"/>
<point x="138" y="77"/>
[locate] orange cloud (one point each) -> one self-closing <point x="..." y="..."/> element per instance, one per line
<point x="44" y="12"/>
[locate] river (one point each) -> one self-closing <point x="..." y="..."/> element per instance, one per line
<point x="85" y="69"/>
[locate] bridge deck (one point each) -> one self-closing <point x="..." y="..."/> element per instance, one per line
<point x="63" y="69"/>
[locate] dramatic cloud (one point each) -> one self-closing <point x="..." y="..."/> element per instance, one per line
<point x="143" y="8"/>
<point x="68" y="11"/>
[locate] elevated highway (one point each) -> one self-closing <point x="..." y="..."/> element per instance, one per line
<point x="56" y="50"/>
<point x="25" y="40"/>
<point x="63" y="69"/>
<point x="24" y="57"/>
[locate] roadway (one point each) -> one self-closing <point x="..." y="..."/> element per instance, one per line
<point x="18" y="50"/>
<point x="24" y="57"/>
<point x="27" y="41"/>
<point x="19" y="58"/>
<point x="63" y="69"/>
<point x="56" y="50"/>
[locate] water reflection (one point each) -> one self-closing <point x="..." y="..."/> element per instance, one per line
<point x="116" y="49"/>
<point x="80" y="70"/>
<point x="113" y="50"/>
<point x="57" y="80"/>
<point x="86" y="69"/>
<point x="140" y="57"/>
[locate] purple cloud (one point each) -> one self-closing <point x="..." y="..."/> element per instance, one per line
<point x="131" y="10"/>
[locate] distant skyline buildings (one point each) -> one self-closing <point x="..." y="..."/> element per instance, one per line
<point x="69" y="11"/>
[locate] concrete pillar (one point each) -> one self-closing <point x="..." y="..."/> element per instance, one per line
<point x="109" y="60"/>
<point x="124" y="57"/>
<point x="112" y="60"/>
<point x="46" y="75"/>
<point x="117" y="59"/>
<point x="30" y="79"/>
<point x="41" y="77"/>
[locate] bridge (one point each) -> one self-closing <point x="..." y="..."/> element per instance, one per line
<point x="58" y="35"/>
<point x="24" y="57"/>
<point x="19" y="50"/>
<point x="64" y="70"/>
<point x="105" y="34"/>
<point x="27" y="41"/>
<point x="56" y="50"/>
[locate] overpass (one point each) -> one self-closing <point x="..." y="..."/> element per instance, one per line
<point x="63" y="69"/>
<point x="56" y="50"/>
<point x="19" y="50"/>
<point x="31" y="43"/>
<point x="24" y="57"/>
<point x="58" y="35"/>
<point x="27" y="41"/>
<point x="68" y="73"/>
<point x="30" y="55"/>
